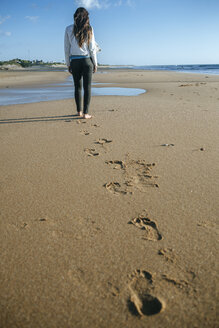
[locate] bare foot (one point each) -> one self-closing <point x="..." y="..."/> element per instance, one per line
<point x="87" y="116"/>
<point x="79" y="113"/>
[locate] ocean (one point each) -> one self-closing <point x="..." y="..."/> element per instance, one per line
<point x="212" y="69"/>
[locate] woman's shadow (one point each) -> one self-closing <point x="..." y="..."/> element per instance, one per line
<point x="66" y="118"/>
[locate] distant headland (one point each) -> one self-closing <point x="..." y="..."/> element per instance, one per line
<point x="19" y="64"/>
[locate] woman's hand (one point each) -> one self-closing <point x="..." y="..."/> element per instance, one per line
<point x="69" y="69"/>
<point x="94" y="69"/>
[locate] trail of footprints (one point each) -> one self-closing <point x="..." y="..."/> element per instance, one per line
<point x="100" y="142"/>
<point x="142" y="289"/>
<point x="142" y="297"/>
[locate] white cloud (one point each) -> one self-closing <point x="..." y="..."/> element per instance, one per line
<point x="130" y="3"/>
<point x="3" y="19"/>
<point x="89" y="3"/>
<point x="33" y="19"/>
<point x="118" y="3"/>
<point x="5" y="33"/>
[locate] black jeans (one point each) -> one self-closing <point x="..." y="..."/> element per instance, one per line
<point x="82" y="68"/>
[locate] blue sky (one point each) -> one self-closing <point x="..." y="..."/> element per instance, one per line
<point x="137" y="32"/>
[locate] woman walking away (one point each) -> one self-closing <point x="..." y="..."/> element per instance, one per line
<point x="81" y="59"/>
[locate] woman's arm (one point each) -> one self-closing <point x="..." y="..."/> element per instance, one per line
<point x="67" y="48"/>
<point x="92" y="48"/>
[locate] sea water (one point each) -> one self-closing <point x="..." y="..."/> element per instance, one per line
<point x="59" y="91"/>
<point x="212" y="69"/>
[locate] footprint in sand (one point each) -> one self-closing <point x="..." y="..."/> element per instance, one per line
<point x="143" y="289"/>
<point x="141" y="301"/>
<point x="116" y="188"/>
<point x="186" y="85"/>
<point x="35" y="222"/>
<point x="85" y="133"/>
<point x="117" y="164"/>
<point x="137" y="173"/>
<point x="43" y="219"/>
<point x="81" y="122"/>
<point x="180" y="284"/>
<point x="91" y="152"/>
<point x="103" y="141"/>
<point x="168" y="254"/>
<point x="150" y="227"/>
<point x="167" y="145"/>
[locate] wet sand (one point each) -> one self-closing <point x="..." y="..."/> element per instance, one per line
<point x="21" y="78"/>
<point x="111" y="222"/>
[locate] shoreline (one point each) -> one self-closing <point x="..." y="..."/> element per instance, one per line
<point x="205" y="69"/>
<point x="96" y="214"/>
<point x="11" y="79"/>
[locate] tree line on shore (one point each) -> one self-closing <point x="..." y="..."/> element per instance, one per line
<point x="27" y="63"/>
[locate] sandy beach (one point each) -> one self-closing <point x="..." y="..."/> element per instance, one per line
<point x="21" y="78"/>
<point x="111" y="222"/>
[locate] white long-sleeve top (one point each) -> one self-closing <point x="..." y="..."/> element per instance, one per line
<point x="72" y="48"/>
